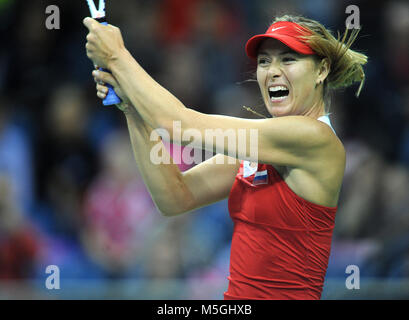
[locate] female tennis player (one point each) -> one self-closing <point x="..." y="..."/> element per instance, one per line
<point x="283" y="202"/>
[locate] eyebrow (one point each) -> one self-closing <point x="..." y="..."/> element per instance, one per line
<point x="289" y="51"/>
<point x="281" y="53"/>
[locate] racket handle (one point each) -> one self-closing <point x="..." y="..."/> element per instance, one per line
<point x="111" y="97"/>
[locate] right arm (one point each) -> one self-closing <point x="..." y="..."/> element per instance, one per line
<point x="175" y="192"/>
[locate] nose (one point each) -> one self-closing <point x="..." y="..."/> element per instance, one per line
<point x="274" y="71"/>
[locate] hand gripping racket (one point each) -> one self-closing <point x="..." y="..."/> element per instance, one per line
<point x="99" y="15"/>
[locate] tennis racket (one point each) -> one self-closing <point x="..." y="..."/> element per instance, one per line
<point x="99" y="15"/>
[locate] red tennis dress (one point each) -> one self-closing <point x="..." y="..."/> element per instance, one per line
<point x="281" y="242"/>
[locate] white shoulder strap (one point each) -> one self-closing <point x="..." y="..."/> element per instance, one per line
<point x="327" y="121"/>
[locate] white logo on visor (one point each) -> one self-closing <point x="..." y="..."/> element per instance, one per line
<point x="274" y="29"/>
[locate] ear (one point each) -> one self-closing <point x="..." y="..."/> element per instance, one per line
<point x="323" y="70"/>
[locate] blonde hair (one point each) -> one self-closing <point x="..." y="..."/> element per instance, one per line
<point x="345" y="63"/>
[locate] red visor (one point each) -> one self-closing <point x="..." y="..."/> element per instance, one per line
<point x="287" y="32"/>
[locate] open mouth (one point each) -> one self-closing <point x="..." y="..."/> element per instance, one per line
<point x="278" y="93"/>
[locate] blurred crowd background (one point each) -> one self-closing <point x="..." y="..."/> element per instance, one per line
<point x="71" y="195"/>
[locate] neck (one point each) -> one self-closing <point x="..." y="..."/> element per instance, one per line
<point x="316" y="111"/>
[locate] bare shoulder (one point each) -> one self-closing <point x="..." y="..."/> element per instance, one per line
<point x="320" y="131"/>
<point x="331" y="152"/>
<point x="331" y="140"/>
<point x="311" y="132"/>
<point x="319" y="177"/>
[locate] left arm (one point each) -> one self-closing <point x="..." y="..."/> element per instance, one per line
<point x="282" y="141"/>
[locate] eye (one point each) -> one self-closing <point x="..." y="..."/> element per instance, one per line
<point x="289" y="59"/>
<point x="262" y="60"/>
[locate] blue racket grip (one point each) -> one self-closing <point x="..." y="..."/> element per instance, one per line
<point x="111" y="97"/>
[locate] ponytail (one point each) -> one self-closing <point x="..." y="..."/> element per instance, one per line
<point x="346" y="65"/>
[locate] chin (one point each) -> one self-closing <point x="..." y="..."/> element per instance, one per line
<point x="279" y="111"/>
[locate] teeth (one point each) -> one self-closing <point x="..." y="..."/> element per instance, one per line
<point x="277" y="88"/>
<point x="277" y="98"/>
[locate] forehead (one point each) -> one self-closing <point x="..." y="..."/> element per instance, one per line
<point x="273" y="46"/>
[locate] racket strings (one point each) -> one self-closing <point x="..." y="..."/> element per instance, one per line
<point x="96" y="13"/>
